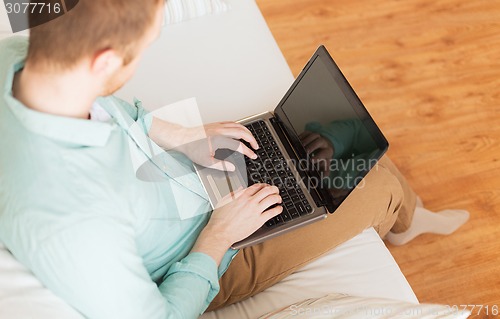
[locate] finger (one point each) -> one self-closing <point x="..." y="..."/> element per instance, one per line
<point x="254" y="189"/>
<point x="234" y="145"/>
<point x="270" y="213"/>
<point x="264" y="192"/>
<point x="245" y="150"/>
<point x="325" y="154"/>
<point x="270" y="201"/>
<point x="239" y="132"/>
<point x="229" y="124"/>
<point x="214" y="128"/>
<point x="315" y="145"/>
<point x="304" y="134"/>
<point x="320" y="163"/>
<point x="249" y="138"/>
<point x="311" y="137"/>
<point x="236" y="125"/>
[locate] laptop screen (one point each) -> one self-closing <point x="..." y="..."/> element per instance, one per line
<point x="336" y="140"/>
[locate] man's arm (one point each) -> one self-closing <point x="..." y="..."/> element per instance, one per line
<point x="197" y="143"/>
<point x="95" y="267"/>
<point x="200" y="143"/>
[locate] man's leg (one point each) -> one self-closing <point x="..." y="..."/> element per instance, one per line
<point x="385" y="201"/>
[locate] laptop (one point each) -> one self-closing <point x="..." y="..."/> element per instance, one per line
<point x="316" y="147"/>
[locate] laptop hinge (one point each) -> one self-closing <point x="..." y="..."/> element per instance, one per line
<point x="320" y="197"/>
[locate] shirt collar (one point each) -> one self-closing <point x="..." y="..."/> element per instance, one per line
<point x="65" y="129"/>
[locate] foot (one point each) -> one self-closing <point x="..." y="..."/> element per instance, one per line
<point x="424" y="221"/>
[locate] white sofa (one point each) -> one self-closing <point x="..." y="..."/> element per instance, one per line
<point x="232" y="65"/>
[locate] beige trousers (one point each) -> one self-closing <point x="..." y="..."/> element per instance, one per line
<point x="385" y="202"/>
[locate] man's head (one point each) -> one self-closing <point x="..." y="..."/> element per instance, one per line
<point x="107" y="36"/>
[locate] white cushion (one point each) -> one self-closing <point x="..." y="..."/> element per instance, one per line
<point x="230" y="62"/>
<point x="349" y="307"/>
<point x="361" y="267"/>
<point x="181" y="10"/>
<point x="22" y="296"/>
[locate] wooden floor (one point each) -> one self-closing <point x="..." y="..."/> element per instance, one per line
<point x="429" y="73"/>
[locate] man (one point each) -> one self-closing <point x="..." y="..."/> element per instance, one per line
<point x="76" y="212"/>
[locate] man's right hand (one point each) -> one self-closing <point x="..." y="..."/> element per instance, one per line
<point x="239" y="215"/>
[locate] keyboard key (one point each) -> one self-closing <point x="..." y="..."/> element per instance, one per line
<point x="289" y="204"/>
<point x="276" y="181"/>
<point x="270" y="223"/>
<point x="286" y="217"/>
<point x="278" y="219"/>
<point x="301" y="209"/>
<point x="293" y="213"/>
<point x="254" y="178"/>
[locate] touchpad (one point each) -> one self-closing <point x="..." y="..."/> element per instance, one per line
<point x="224" y="182"/>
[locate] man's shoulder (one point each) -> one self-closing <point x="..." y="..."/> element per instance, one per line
<point x="13" y="49"/>
<point x="15" y="43"/>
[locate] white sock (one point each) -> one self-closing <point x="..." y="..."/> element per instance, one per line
<point x="424" y="221"/>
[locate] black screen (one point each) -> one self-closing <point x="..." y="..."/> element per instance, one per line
<point x="336" y="139"/>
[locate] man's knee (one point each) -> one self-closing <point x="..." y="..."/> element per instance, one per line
<point x="384" y="190"/>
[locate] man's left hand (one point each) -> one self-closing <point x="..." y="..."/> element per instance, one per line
<point x="201" y="143"/>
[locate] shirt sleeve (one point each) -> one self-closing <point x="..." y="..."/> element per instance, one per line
<point x="95" y="267"/>
<point x="137" y="112"/>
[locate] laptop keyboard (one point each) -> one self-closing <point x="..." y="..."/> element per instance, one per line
<point x="271" y="167"/>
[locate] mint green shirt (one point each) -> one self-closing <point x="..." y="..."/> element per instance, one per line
<point x="84" y="207"/>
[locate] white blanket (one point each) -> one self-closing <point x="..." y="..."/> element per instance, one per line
<point x="360" y="267"/>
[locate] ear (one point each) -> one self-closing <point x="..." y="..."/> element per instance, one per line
<point x="106" y="62"/>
